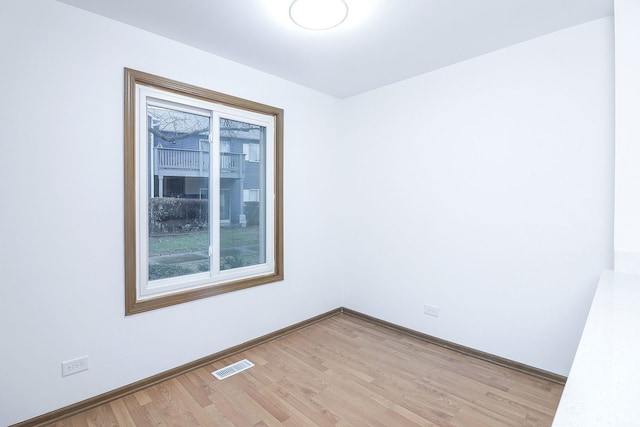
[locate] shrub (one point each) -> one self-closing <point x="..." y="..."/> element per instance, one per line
<point x="159" y="271"/>
<point x="171" y="213"/>
<point x="252" y="212"/>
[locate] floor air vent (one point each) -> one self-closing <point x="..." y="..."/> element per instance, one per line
<point x="232" y="369"/>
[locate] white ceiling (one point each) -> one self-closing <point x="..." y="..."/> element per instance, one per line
<point x="381" y="42"/>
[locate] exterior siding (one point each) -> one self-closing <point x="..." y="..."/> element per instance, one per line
<point x="250" y="180"/>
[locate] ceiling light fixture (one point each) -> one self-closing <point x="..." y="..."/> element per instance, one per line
<point x="318" y="14"/>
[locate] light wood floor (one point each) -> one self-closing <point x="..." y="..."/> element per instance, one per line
<point x="342" y="371"/>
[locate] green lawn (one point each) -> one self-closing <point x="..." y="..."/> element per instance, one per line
<point x="194" y="241"/>
<point x="238" y="248"/>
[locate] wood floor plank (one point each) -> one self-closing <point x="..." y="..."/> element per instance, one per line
<point x="121" y="413"/>
<point x="341" y="371"/>
<point x="196" y="389"/>
<point x="135" y="410"/>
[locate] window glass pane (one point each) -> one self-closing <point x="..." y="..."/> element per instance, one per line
<point x="243" y="237"/>
<point x="178" y="192"/>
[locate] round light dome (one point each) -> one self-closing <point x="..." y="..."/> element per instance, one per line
<point x="318" y="14"/>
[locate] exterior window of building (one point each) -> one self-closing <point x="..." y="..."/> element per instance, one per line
<point x="195" y="222"/>
<point x="251" y="195"/>
<point x="251" y="152"/>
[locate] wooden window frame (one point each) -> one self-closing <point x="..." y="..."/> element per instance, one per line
<point x="133" y="303"/>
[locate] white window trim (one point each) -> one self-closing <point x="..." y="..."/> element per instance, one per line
<point x="150" y="289"/>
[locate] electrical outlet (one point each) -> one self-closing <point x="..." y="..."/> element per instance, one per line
<point x="431" y="310"/>
<point x="74" y="366"/>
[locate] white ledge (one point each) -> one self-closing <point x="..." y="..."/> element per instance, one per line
<point x="604" y="383"/>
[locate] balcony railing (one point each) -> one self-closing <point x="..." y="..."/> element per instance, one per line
<point x="195" y="163"/>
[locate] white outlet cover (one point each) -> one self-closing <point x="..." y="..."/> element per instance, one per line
<point x="431" y="310"/>
<point x="74" y="366"/>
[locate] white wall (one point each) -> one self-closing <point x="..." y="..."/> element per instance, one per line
<point x="61" y="248"/>
<point x="486" y="188"/>
<point x="627" y="205"/>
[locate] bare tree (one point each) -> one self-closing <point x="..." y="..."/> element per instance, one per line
<point x="172" y="125"/>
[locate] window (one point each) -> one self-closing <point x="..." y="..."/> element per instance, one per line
<point x="251" y="195"/>
<point x="203" y="214"/>
<point x="251" y="152"/>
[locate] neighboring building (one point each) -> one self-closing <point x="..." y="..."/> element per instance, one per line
<point x="180" y="165"/>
